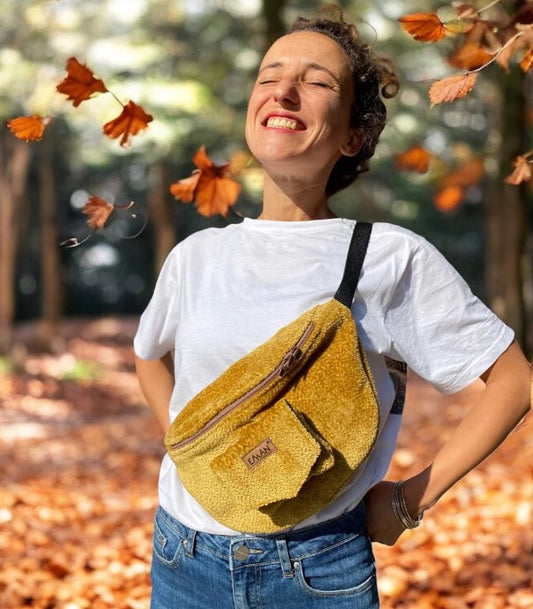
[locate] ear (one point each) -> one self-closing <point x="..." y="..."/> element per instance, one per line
<point x="353" y="143"/>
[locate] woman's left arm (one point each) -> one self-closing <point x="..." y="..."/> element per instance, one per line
<point x="503" y="402"/>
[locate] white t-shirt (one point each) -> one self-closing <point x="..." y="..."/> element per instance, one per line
<point x="222" y="292"/>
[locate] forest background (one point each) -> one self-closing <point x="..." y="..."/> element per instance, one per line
<point x="191" y="64"/>
<point x="79" y="449"/>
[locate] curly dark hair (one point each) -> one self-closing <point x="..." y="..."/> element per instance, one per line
<point x="372" y="75"/>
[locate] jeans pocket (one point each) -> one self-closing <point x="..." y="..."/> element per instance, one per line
<point x="345" y="569"/>
<point x="167" y="543"/>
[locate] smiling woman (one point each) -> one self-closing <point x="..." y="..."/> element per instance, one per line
<point x="226" y="297"/>
<point x="298" y="121"/>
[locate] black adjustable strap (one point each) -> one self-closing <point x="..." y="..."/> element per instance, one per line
<point x="354" y="263"/>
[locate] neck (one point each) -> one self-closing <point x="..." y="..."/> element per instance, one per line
<point x="291" y="201"/>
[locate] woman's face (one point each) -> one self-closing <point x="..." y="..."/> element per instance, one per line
<point x="298" y="119"/>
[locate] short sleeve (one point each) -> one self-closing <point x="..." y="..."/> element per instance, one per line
<point x="439" y="328"/>
<point x="156" y="333"/>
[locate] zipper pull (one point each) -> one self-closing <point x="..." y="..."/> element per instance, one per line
<point x="289" y="360"/>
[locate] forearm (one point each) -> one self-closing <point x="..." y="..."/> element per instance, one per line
<point x="503" y="402"/>
<point x="156" y="378"/>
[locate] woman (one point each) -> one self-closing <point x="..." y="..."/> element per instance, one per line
<point x="313" y="121"/>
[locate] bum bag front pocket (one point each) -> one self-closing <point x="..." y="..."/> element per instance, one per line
<point x="271" y="456"/>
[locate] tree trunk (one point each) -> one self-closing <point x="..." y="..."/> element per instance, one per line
<point x="161" y="213"/>
<point x="506" y="217"/>
<point x="50" y="263"/>
<point x="274" y="26"/>
<point x="13" y="175"/>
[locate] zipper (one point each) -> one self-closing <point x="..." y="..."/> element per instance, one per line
<point x="290" y="359"/>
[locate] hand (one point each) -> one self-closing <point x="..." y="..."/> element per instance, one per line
<point x="383" y="525"/>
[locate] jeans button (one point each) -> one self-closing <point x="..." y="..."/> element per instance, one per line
<point x="241" y="552"/>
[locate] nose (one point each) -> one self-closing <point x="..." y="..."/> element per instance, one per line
<point x="286" y="93"/>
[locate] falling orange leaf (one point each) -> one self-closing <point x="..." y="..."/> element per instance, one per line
<point x="98" y="211"/>
<point x="522" y="171"/>
<point x="210" y="185"/>
<point x="185" y="189"/>
<point x="448" y="198"/>
<point x="451" y="88"/>
<point x="29" y="128"/>
<point x="80" y="83"/>
<point x="470" y="56"/>
<point x="424" y="27"/>
<point x="131" y="120"/>
<point x="415" y="159"/>
<point x="468" y="173"/>
<point x="527" y="61"/>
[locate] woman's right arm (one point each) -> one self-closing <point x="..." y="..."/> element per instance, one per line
<point x="156" y="378"/>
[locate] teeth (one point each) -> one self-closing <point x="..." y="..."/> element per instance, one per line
<point x="279" y="122"/>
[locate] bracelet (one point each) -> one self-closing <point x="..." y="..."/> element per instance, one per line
<point x="400" y="510"/>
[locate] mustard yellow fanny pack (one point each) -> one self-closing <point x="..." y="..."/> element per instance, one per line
<point x="275" y="437"/>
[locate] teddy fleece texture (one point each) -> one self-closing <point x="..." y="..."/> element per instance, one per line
<point x="260" y="450"/>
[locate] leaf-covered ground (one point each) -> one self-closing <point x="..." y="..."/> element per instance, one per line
<point x="79" y="458"/>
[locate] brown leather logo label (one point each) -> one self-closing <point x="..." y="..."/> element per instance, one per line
<point x="258" y="454"/>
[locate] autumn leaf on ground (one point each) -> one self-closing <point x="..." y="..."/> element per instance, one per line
<point x="450" y="88"/>
<point x="470" y="56"/>
<point x="448" y="198"/>
<point x="415" y="159"/>
<point x="29" y="128"/>
<point x="80" y="83"/>
<point x="522" y="171"/>
<point x="527" y="61"/>
<point x="424" y="27"/>
<point x="131" y="120"/>
<point x="210" y="185"/>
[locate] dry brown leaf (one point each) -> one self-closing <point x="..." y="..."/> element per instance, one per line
<point x="521" y="173"/>
<point x="470" y="56"/>
<point x="450" y="88"/>
<point x="424" y="27"/>
<point x="415" y="159"/>
<point x="210" y="186"/>
<point x="468" y="173"/>
<point x="448" y="198"/>
<point x="80" y="83"/>
<point x="527" y="60"/>
<point x="130" y="121"/>
<point x="29" y="128"/>
<point x="98" y="212"/>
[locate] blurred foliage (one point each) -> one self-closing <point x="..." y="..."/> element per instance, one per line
<point x="83" y="372"/>
<point x="191" y="64"/>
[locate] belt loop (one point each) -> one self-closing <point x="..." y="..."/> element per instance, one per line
<point x="284" y="558"/>
<point x="189" y="543"/>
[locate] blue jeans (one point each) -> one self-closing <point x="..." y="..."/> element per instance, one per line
<point x="326" y="566"/>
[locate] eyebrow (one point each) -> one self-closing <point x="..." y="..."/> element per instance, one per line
<point x="310" y="66"/>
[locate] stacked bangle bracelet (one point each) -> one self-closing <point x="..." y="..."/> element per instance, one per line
<point x="400" y="508"/>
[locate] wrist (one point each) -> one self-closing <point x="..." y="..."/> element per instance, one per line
<point x="408" y="517"/>
<point x="419" y="496"/>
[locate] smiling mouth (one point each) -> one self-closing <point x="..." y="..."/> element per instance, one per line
<point x="282" y="122"/>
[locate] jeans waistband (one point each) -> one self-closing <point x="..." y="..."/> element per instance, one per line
<point x="288" y="546"/>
